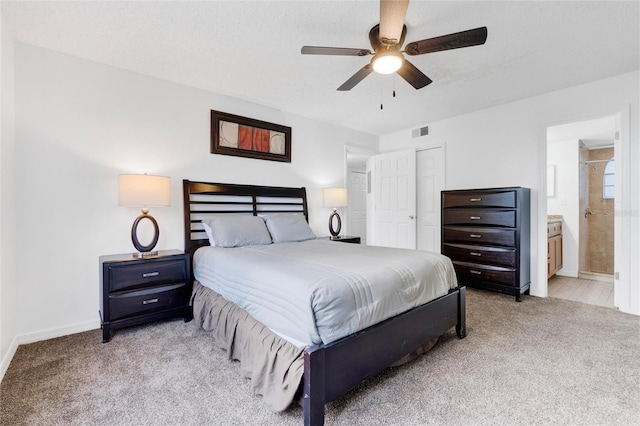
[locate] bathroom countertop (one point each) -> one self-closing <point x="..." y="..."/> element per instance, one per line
<point x="554" y="218"/>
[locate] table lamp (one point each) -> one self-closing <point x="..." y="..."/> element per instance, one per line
<point x="144" y="191"/>
<point x="334" y="198"/>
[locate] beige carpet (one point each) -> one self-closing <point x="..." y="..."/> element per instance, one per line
<point x="542" y="361"/>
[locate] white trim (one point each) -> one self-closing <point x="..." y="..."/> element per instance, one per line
<point x="539" y="282"/>
<point x="4" y="365"/>
<point x="51" y="333"/>
<point x="622" y="290"/>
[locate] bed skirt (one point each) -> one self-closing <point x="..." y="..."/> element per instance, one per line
<point x="274" y="365"/>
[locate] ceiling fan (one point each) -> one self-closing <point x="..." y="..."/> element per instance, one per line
<point x="387" y="39"/>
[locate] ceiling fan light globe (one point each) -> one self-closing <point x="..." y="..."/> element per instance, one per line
<point x="387" y="62"/>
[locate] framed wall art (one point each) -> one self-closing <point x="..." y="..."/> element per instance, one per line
<point x="246" y="137"/>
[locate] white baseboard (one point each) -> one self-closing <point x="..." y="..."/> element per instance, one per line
<point x="6" y="360"/>
<point x="51" y="333"/>
<point x="567" y="273"/>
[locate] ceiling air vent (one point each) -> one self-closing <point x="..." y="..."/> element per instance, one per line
<point x="422" y="131"/>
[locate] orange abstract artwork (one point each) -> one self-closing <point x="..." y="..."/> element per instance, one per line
<point x="244" y="137"/>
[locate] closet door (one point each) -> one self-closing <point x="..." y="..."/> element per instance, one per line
<point x="430" y="181"/>
<point x="395" y="199"/>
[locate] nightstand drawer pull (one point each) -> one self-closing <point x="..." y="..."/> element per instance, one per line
<point x="475" y="217"/>
<point x="150" y="274"/>
<point x="475" y="253"/>
<point x="475" y="272"/>
<point x="474" y="200"/>
<point x="475" y="235"/>
<point x="150" y="301"/>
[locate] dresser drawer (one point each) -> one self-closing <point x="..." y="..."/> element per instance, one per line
<point x="491" y="255"/>
<point x="480" y="217"/>
<point x="124" y="304"/>
<point x="478" y="272"/>
<point x="486" y="236"/>
<point x="133" y="275"/>
<point x="481" y="199"/>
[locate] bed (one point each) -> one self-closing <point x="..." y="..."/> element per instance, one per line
<point x="352" y="355"/>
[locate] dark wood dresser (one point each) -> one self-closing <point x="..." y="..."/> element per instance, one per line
<point x="136" y="291"/>
<point x="486" y="233"/>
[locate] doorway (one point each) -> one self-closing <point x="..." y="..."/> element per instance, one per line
<point x="356" y="182"/>
<point x="582" y="194"/>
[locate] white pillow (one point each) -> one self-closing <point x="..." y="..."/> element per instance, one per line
<point x="207" y="230"/>
<point x="288" y="228"/>
<point x="238" y="230"/>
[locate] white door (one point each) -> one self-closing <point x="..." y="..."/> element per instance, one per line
<point x="430" y="182"/>
<point x="358" y="205"/>
<point x="395" y="199"/>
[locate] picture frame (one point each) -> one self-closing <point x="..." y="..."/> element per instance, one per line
<point x="246" y="137"/>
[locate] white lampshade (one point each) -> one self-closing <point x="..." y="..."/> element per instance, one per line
<point x="144" y="190"/>
<point x="334" y="197"/>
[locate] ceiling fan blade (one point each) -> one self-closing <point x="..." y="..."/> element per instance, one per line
<point x="413" y="75"/>
<point x="344" y="51"/>
<point x="467" y="38"/>
<point x="392" y="14"/>
<point x="356" y="78"/>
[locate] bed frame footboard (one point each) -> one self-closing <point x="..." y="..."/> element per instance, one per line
<point x="331" y="370"/>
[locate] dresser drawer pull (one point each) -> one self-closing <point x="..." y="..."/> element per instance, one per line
<point x="475" y="272"/>
<point x="150" y="301"/>
<point x="475" y="236"/>
<point x="150" y="274"/>
<point x="475" y="253"/>
<point x="474" y="200"/>
<point x="475" y="218"/>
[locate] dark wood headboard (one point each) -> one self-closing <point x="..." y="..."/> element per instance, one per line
<point x="203" y="199"/>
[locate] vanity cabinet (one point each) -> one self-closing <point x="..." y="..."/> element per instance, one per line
<point x="486" y="234"/>
<point x="554" y="247"/>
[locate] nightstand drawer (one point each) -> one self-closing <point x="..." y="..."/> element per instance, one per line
<point x="124" y="276"/>
<point x="148" y="300"/>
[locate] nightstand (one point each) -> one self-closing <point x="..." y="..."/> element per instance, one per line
<point x="136" y="291"/>
<point x="346" y="239"/>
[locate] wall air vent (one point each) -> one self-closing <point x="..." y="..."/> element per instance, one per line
<point x="422" y="131"/>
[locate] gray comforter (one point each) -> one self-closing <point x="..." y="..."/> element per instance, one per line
<point x="318" y="291"/>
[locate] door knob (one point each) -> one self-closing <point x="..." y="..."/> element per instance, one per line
<point x="411" y="217"/>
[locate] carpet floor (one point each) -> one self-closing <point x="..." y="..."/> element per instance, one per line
<point x="539" y="362"/>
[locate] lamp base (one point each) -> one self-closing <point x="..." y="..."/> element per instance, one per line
<point x="334" y="232"/>
<point x="145" y="254"/>
<point x="145" y="251"/>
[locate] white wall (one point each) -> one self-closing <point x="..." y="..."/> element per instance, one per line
<point x="78" y="125"/>
<point x="506" y="146"/>
<point x="563" y="155"/>
<point x="8" y="279"/>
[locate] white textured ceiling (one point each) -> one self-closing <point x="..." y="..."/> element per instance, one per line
<point x="251" y="50"/>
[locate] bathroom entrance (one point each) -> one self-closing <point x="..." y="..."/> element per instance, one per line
<point x="581" y="177"/>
